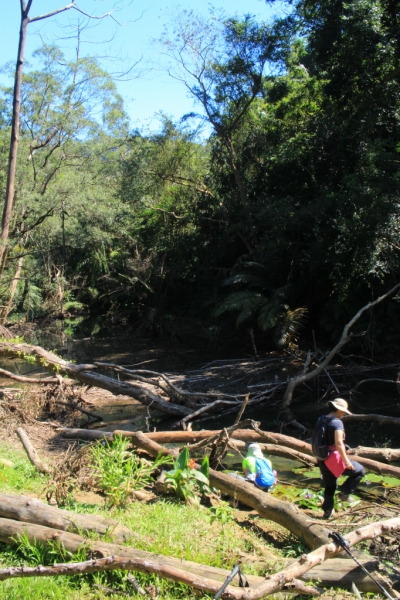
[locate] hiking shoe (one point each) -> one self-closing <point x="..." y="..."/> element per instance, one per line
<point x="328" y="513"/>
<point x="344" y="497"/>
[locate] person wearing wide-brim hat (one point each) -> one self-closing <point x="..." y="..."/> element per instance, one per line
<point x="338" y="462"/>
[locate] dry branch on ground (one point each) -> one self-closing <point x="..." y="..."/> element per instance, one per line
<point x="111" y="557"/>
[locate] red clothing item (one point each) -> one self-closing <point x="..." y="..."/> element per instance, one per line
<point x="335" y="463"/>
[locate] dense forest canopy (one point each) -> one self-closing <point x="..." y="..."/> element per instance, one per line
<point x="275" y="206"/>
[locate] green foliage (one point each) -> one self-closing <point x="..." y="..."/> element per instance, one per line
<point x="186" y="481"/>
<point x="258" y="303"/>
<point x="120" y="471"/>
<point x="384" y="480"/>
<point x="291" y="202"/>
<point x="222" y="513"/>
<point x="21" y="476"/>
<point x="295" y="549"/>
<point x="38" y="553"/>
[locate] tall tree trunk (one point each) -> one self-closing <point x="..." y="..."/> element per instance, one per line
<point x="4" y="261"/>
<point x="13" y="287"/>
<point x="12" y="161"/>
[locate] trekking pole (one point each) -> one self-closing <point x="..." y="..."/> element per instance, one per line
<point x="242" y="581"/>
<point x="341" y="541"/>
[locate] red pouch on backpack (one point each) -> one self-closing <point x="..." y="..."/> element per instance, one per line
<point x="335" y="463"/>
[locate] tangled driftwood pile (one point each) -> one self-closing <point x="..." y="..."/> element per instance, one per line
<point x="198" y="393"/>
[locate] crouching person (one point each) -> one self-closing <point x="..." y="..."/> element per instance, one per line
<point x="258" y="469"/>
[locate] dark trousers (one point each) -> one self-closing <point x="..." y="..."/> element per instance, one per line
<point x="330" y="482"/>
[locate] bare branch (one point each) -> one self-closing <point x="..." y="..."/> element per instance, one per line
<point x="54" y="12"/>
<point x="345" y="338"/>
<point x="22" y="379"/>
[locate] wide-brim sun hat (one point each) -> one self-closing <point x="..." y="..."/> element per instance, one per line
<point x="340" y="404"/>
<point x="255" y="450"/>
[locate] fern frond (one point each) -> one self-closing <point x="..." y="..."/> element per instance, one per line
<point x="248" y="264"/>
<point x="269" y="314"/>
<point x="292" y="321"/>
<point x="247" y="278"/>
<point x="244" y="300"/>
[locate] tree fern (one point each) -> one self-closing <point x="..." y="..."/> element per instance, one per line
<point x="258" y="302"/>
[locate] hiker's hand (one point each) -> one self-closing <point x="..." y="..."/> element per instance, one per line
<point x="349" y="465"/>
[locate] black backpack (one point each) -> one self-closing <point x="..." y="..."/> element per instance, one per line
<point x="319" y="448"/>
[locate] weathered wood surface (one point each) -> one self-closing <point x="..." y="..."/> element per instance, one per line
<point x="210" y="578"/>
<point x="84" y="373"/>
<point x="381" y="419"/>
<point x="333" y="573"/>
<point x="379" y="454"/>
<point x="33" y="456"/>
<point x="246" y="435"/>
<point x="276" y="582"/>
<point x="11" y="529"/>
<point x="31" y="510"/>
<point x="275" y="450"/>
<point x="23" y="379"/>
<point x="191" y="437"/>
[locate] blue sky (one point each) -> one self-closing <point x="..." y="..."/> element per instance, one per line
<point x="144" y="20"/>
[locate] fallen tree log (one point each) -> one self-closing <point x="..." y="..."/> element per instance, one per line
<point x="286" y="514"/>
<point x="187" y="437"/>
<point x="275" y="450"/>
<point x="84" y="374"/>
<point x="275" y="583"/>
<point x="10" y="531"/>
<point x="379" y="454"/>
<point x="199" y="576"/>
<point x="31" y="510"/>
<point x="381" y="419"/>
<point x="246" y="435"/>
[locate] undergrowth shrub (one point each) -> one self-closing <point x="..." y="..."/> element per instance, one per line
<point x="119" y="471"/>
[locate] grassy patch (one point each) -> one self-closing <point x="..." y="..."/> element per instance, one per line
<point x="21" y="477"/>
<point x="79" y="587"/>
<point x="166" y="526"/>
